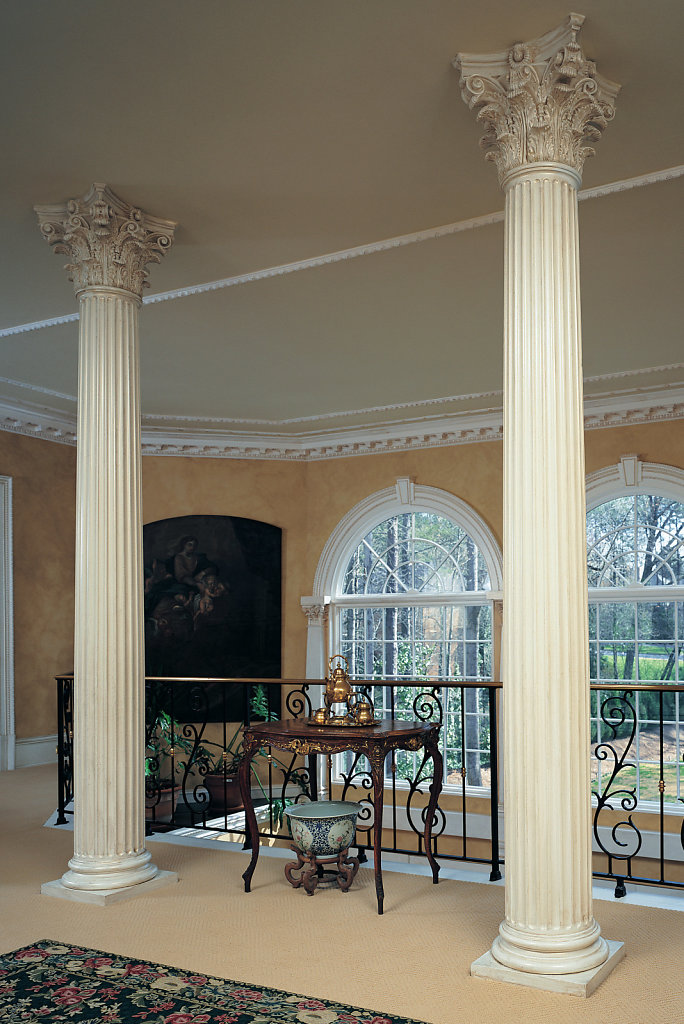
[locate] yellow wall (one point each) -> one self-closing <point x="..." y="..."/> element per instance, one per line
<point x="44" y="511"/>
<point x="306" y="500"/>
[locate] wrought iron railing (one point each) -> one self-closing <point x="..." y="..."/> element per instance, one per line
<point x="637" y="763"/>
<point x="199" y="713"/>
<point x="191" y="744"/>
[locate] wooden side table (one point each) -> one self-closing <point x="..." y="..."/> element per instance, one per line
<point x="376" y="742"/>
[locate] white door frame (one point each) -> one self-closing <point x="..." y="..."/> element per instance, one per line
<point x="7" y="736"/>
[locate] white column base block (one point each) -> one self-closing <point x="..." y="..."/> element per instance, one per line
<point x="581" y="984"/>
<point x="103" y="897"/>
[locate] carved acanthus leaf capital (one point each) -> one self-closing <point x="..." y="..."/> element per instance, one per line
<point x="541" y="101"/>
<point x="108" y="241"/>
<point x="315" y="609"/>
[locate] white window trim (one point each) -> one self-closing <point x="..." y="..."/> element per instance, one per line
<point x="631" y="476"/>
<point x="405" y="496"/>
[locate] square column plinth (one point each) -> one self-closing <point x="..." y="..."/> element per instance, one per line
<point x="581" y="984"/>
<point x="103" y="897"/>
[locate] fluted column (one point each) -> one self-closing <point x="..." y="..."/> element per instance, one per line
<point x="316" y="610"/>
<point x="541" y="102"/>
<point x="110" y="244"/>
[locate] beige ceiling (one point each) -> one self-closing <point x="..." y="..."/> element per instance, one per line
<point x="275" y="132"/>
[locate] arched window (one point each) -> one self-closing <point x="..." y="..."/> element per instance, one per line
<point x="412" y="574"/>
<point x="635" y="567"/>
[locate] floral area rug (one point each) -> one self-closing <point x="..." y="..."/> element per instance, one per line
<point x="52" y="982"/>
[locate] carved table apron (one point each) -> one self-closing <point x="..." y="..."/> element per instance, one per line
<point x="376" y="742"/>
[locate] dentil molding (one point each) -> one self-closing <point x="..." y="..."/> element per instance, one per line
<point x="384" y="245"/>
<point x="651" y="405"/>
<point x="540" y="101"/>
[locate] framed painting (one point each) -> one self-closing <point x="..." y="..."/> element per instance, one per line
<point x="212" y="599"/>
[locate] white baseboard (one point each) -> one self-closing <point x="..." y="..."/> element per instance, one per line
<point x="34" y="750"/>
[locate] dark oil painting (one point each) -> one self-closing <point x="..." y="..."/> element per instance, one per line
<point x="212" y="600"/>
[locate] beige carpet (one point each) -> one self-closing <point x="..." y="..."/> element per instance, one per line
<point x="412" y="961"/>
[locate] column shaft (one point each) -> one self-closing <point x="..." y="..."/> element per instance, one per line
<point x="109" y="849"/>
<point x="545" y="647"/>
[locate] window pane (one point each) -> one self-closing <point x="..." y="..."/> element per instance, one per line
<point x="656" y="662"/>
<point x="638" y="541"/>
<point x="416" y="552"/>
<point x="617" y="621"/>
<point x="656" y="620"/>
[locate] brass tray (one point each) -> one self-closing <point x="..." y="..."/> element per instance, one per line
<point x="340" y="723"/>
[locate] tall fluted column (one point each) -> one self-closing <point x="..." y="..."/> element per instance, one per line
<point x="109" y="244"/>
<point x="541" y="103"/>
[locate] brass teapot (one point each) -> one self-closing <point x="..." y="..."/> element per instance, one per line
<point x="341" y="704"/>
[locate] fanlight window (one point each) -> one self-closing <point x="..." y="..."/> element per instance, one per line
<point x="636" y="540"/>
<point x="416" y="553"/>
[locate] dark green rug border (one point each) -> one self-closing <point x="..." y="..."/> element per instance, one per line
<point x="154" y="993"/>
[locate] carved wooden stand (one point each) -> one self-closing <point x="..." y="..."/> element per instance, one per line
<point x="312" y="871"/>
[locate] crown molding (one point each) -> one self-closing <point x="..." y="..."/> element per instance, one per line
<point x="639" y="181"/>
<point x="615" y="409"/>
<point x="38" y="421"/>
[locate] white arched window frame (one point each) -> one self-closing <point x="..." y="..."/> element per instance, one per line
<point x="632" y="477"/>
<point x="405" y="497"/>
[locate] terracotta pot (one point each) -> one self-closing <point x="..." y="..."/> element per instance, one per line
<point x="224" y="792"/>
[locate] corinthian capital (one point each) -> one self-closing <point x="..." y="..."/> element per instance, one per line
<point x="108" y="241"/>
<point x="539" y="101"/>
<point x="315" y="609"/>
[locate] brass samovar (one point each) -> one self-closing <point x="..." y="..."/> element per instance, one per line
<point x="343" y="705"/>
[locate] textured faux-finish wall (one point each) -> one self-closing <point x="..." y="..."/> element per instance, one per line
<point x="44" y="515"/>
<point x="305" y="499"/>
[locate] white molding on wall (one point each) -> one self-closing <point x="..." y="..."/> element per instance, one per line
<point x="7" y="737"/>
<point x="629" y="477"/>
<point x="36" y="750"/>
<point x="653" y="178"/>
<point x="38" y="421"/>
<point x="624" y="408"/>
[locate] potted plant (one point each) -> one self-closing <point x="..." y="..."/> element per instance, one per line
<point x="220" y="769"/>
<point x="164" y="738"/>
<point x="210" y="767"/>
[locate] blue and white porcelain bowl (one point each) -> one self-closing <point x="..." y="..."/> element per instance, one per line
<point x="323" y="827"/>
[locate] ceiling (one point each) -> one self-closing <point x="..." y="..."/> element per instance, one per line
<point x="276" y="134"/>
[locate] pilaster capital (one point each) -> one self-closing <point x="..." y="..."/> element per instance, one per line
<point x="108" y="241"/>
<point x="540" y="101"/>
<point x="315" y="609"/>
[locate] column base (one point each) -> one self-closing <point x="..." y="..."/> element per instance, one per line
<point x="103" y="897"/>
<point x="581" y="984"/>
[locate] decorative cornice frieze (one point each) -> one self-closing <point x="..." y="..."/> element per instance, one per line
<point x="540" y="101"/>
<point x="108" y="241"/>
<point x="612" y="410"/>
<point x="36" y="421"/>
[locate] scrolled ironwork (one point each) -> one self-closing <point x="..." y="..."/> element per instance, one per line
<point x="427" y="706"/>
<point x="617" y="711"/>
<point x="298" y="703"/>
<point x="439" y="819"/>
